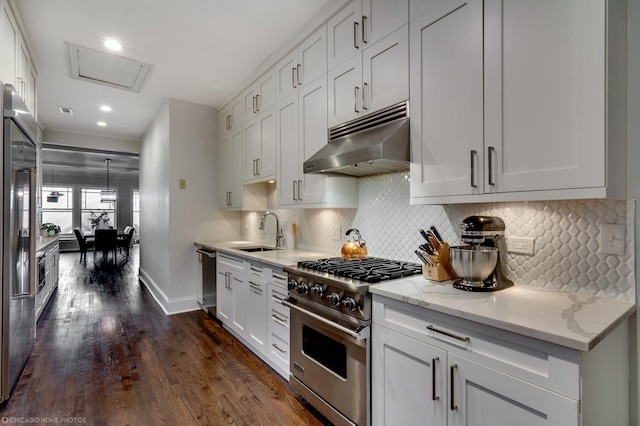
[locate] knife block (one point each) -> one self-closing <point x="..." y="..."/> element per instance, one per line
<point x="442" y="271"/>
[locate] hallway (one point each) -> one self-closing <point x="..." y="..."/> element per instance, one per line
<point x="106" y="354"/>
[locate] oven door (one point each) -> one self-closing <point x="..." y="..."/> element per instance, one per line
<point x="330" y="363"/>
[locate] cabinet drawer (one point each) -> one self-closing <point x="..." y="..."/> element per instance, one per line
<point x="279" y="351"/>
<point x="232" y="263"/>
<point x="279" y="279"/>
<point x="550" y="366"/>
<point x="279" y="320"/>
<point x="276" y="294"/>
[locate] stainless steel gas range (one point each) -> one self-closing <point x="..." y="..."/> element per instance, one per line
<point x="330" y="326"/>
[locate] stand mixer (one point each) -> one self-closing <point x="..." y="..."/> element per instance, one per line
<point x="479" y="232"/>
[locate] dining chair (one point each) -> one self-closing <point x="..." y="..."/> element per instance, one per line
<point x="106" y="240"/>
<point x="84" y="244"/>
<point x="125" y="239"/>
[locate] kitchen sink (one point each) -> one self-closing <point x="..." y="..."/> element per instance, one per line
<point x="256" y="248"/>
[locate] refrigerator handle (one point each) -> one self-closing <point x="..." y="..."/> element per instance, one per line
<point x="33" y="266"/>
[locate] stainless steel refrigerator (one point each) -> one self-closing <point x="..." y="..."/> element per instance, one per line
<point x="19" y="235"/>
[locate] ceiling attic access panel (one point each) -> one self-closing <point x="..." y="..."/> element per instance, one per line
<point x="105" y="68"/>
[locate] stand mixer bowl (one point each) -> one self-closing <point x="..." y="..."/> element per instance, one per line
<point x="473" y="264"/>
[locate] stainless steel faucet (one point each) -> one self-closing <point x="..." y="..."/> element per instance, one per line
<point x="279" y="233"/>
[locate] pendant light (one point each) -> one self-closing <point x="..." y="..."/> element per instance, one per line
<point x="53" y="195"/>
<point x="108" y="195"/>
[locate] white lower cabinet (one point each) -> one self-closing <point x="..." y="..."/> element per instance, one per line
<point x="430" y="368"/>
<point x="248" y="296"/>
<point x="278" y="323"/>
<point x="257" y="307"/>
<point x="230" y="271"/>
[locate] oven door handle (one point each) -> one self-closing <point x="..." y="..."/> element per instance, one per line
<point x="361" y="332"/>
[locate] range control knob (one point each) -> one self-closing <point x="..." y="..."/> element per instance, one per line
<point x="334" y="299"/>
<point x="317" y="290"/>
<point x="302" y="288"/>
<point x="350" y="304"/>
<point x="293" y="284"/>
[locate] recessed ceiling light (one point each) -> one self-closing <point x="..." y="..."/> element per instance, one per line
<point x="65" y="110"/>
<point x="112" y="44"/>
<point x="101" y="123"/>
<point x="105" y="108"/>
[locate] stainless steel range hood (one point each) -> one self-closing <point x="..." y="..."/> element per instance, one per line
<point x="373" y="144"/>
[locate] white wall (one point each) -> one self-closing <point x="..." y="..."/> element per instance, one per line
<point x="154" y="203"/>
<point x="181" y="144"/>
<point x="91" y="141"/>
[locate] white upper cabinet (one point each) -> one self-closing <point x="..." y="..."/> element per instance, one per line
<point x="374" y="79"/>
<point x="230" y="116"/>
<point x="446" y="100"/>
<point x="301" y="130"/>
<point x="16" y="67"/>
<point x="260" y="147"/>
<point x="382" y="17"/>
<point x="10" y="37"/>
<point x="303" y="65"/>
<point x="260" y="96"/>
<point x="546" y="125"/>
<point x="363" y="23"/>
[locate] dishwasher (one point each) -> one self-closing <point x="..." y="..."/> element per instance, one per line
<point x="207" y="296"/>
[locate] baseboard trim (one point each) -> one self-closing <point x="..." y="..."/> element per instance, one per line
<point x="169" y="306"/>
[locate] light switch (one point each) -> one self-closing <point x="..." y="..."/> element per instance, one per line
<point x="182" y="184"/>
<point x="612" y="239"/>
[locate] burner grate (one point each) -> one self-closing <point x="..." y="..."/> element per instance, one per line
<point x="370" y="270"/>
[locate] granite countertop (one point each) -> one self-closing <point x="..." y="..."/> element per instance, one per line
<point x="42" y="243"/>
<point x="277" y="258"/>
<point x="577" y="321"/>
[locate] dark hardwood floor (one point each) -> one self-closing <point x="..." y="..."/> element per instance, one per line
<point x="106" y="354"/>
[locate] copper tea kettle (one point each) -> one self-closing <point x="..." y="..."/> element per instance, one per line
<point x="355" y="248"/>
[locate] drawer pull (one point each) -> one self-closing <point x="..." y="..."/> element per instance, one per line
<point x="279" y="320"/>
<point x="434" y="397"/>
<point x="276" y="298"/>
<point x="452" y="372"/>
<point x="281" y="350"/>
<point x="255" y="285"/>
<point x="446" y="333"/>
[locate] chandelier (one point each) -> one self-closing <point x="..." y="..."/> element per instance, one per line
<point x="108" y="195"/>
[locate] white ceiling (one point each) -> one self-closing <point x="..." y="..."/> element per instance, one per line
<point x="201" y="51"/>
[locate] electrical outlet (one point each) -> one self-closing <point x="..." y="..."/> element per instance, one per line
<point x="612" y="239"/>
<point x="520" y="245"/>
<point x="182" y="184"/>
<point x="336" y="233"/>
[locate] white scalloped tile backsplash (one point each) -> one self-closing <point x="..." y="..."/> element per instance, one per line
<point x="566" y="234"/>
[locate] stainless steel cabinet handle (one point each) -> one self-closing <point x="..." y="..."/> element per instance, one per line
<point x="490" y="152"/>
<point x="298" y="72"/>
<point x="279" y="320"/>
<point x="276" y="346"/>
<point x="228" y="122"/>
<point x="295" y="196"/>
<point x="276" y="298"/>
<point x="299" y="191"/>
<point x="356" y="89"/>
<point x="364" y="29"/>
<point x="452" y="372"/>
<point x="434" y="397"/>
<point x="355" y="35"/>
<point x="257" y="166"/>
<point x="473" y="168"/>
<point x="364" y="95"/>
<point x="293" y="77"/>
<point x="255" y="285"/>
<point x="258" y="103"/>
<point x="446" y="333"/>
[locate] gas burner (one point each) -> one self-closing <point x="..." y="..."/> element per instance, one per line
<point x="370" y="270"/>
